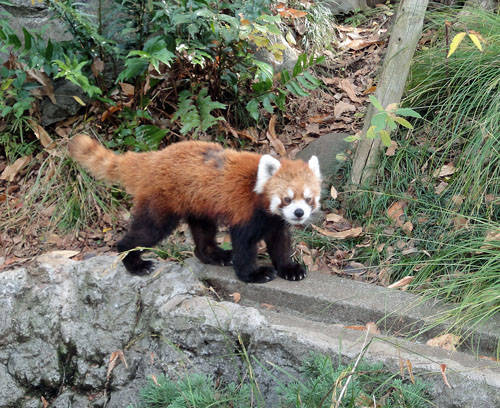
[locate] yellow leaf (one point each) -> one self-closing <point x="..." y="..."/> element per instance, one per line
<point x="455" y="43"/>
<point x="475" y="40"/>
<point x="76" y="98"/>
<point x="291" y="39"/>
<point x="333" y="192"/>
<point x="403" y="121"/>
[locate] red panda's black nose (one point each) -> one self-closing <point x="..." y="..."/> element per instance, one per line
<point x="299" y="212"/>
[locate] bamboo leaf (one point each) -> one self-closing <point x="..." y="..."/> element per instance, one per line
<point x="455" y="43"/>
<point x="475" y="40"/>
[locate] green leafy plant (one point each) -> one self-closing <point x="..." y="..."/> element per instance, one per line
<point x="385" y="121"/>
<point x="155" y="52"/>
<point x="71" y="69"/>
<point x="194" y="112"/>
<point x="298" y="83"/>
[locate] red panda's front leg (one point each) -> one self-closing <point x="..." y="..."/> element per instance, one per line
<point x="279" y="247"/>
<point x="244" y="239"/>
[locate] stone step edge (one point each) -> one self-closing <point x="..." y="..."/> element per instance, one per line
<point x="336" y="300"/>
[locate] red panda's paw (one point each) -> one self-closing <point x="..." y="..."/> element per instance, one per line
<point x="223" y="256"/>
<point x="262" y="274"/>
<point x="216" y="256"/>
<point x="292" y="272"/>
<point x="141" y="268"/>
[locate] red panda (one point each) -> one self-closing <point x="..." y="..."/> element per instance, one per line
<point x="256" y="195"/>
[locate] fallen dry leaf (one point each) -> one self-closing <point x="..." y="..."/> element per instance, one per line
<point x="410" y="370"/>
<point x="370" y="90"/>
<point x="446" y="170"/>
<point x="273" y="138"/>
<point x="356" y="327"/>
<point x="407" y="227"/>
<point x="110" y="111"/>
<point x="440" y="187"/>
<point x="391" y="150"/>
<point x="330" y="81"/>
<point x="113" y="362"/>
<point x="443" y="374"/>
<point x="319" y="118"/>
<point x="402" y="282"/>
<point x="346" y="85"/>
<point x="43" y="136"/>
<point x="446" y="341"/>
<point x="489" y="358"/>
<point x="307" y="260"/>
<point x="11" y="171"/>
<point x="250" y="134"/>
<point x="359" y="44"/>
<point x="332" y="217"/>
<point x="460" y="222"/>
<point x="287" y="12"/>
<point x="127" y="89"/>
<point x="491" y="240"/>
<point x="350" y="233"/>
<point x="236" y="297"/>
<point x="396" y="210"/>
<point x="153" y="378"/>
<point x="342" y="107"/>
<point x="43" y="79"/>
<point x="45" y="404"/>
<point x="58" y="257"/>
<point x="268" y="306"/>
<point x="97" y="66"/>
<point x="333" y="193"/>
<point x="372" y="328"/>
<point x="354" y="268"/>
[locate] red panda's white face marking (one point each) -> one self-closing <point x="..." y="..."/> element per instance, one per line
<point x="268" y="166"/>
<point x="292" y="187"/>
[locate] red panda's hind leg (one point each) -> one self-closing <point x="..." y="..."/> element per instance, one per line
<point x="206" y="249"/>
<point x="146" y="230"/>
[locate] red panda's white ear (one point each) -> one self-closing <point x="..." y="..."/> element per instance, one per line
<point x="314" y="166"/>
<point x="268" y="165"/>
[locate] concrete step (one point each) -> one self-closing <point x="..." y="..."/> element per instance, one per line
<point x="314" y="313"/>
<point x="331" y="299"/>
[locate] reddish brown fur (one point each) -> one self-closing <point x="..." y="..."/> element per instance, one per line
<point x="192" y="178"/>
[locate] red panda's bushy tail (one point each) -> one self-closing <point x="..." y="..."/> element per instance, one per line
<point x="102" y="163"/>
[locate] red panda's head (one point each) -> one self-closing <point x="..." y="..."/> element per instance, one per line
<point x="292" y="187"/>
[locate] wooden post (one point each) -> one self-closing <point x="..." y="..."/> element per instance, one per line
<point x="405" y="34"/>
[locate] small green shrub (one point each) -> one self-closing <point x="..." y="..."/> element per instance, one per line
<point x="322" y="379"/>
<point x="319" y="378"/>
<point x="193" y="391"/>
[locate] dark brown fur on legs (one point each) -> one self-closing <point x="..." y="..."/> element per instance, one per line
<point x="206" y="249"/>
<point x="145" y="230"/>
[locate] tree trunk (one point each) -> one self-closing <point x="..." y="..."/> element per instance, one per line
<point x="404" y="37"/>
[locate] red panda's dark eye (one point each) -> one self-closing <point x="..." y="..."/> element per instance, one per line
<point x="287" y="200"/>
<point x="309" y="200"/>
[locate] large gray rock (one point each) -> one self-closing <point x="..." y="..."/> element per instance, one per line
<point x="10" y="392"/>
<point x="66" y="319"/>
<point x="326" y="148"/>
